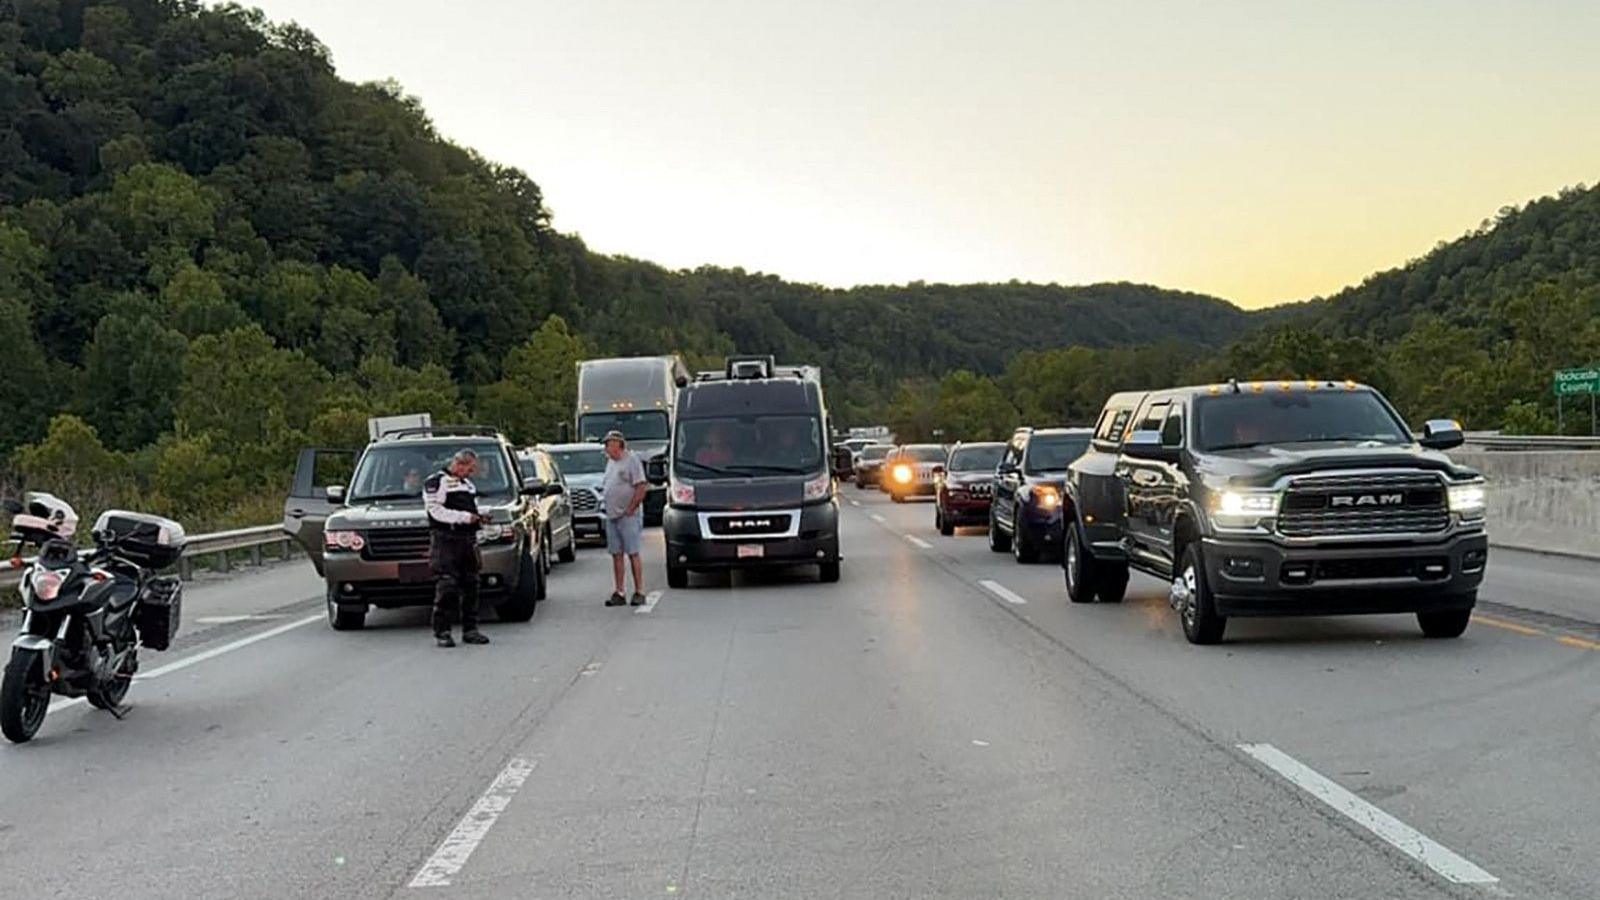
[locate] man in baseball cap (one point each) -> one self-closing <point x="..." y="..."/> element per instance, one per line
<point x="622" y="488"/>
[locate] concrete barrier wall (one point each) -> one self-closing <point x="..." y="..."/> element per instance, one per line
<point x="1541" y="499"/>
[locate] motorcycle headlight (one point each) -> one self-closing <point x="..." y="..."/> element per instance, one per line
<point x="343" y="540"/>
<point x="819" y="487"/>
<point x="902" y="474"/>
<point x="1468" y="500"/>
<point x="46" y="585"/>
<point x="1245" y="509"/>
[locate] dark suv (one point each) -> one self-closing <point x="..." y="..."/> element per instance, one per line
<point x="1281" y="498"/>
<point x="1025" y="515"/>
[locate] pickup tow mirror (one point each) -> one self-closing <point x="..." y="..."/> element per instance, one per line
<point x="655" y="471"/>
<point x="1442" y="434"/>
<point x="844" y="461"/>
<point x="1147" y="445"/>
<point x="335" y="493"/>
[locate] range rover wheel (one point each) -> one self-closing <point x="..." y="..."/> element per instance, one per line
<point x="1192" y="596"/>
<point x="828" y="572"/>
<point x="677" y="577"/>
<point x="999" y="541"/>
<point x="345" y="618"/>
<point x="525" y="597"/>
<point x="1444" y="623"/>
<point x="1080" y="569"/>
<point x="1023" y="546"/>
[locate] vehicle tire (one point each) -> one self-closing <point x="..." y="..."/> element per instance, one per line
<point x="541" y="584"/>
<point x="344" y="618"/>
<point x="677" y="577"/>
<point x="828" y="572"/>
<point x="525" y="597"/>
<point x="569" y="553"/>
<point x="943" y="524"/>
<point x="1113" y="583"/>
<point x="545" y="561"/>
<point x="1022" y="544"/>
<point x="860" y="485"/>
<point x="998" y="541"/>
<point x="898" y="498"/>
<point x="1444" y="623"/>
<point x="1196" y="610"/>
<point x="24" y="699"/>
<point x="1081" y="571"/>
<point x="112" y="697"/>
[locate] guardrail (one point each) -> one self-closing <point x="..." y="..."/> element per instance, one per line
<point x="218" y="545"/>
<point x="1532" y="442"/>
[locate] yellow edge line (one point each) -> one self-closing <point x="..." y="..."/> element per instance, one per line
<point x="1508" y="626"/>
<point x="1580" y="643"/>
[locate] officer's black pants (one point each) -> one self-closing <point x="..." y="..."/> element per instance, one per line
<point x="455" y="563"/>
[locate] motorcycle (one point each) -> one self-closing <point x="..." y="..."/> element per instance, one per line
<point x="87" y="614"/>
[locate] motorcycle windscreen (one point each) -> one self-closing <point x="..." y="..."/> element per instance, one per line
<point x="308" y="506"/>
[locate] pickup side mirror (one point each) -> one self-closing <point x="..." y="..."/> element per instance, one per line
<point x="655" y="470"/>
<point x="1146" y="445"/>
<point x="1442" y="434"/>
<point x="532" y="487"/>
<point x="335" y="493"/>
<point x="844" y="462"/>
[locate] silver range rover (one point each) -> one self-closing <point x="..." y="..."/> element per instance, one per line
<point x="366" y="533"/>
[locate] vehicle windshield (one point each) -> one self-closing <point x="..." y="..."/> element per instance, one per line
<point x="635" y="426"/>
<point x="977" y="459"/>
<point x="580" y="462"/>
<point x="396" y="471"/>
<point x="875" y="451"/>
<point x="748" y="445"/>
<point x="1054" y="452"/>
<point x="1237" y="421"/>
<point x="923" y="453"/>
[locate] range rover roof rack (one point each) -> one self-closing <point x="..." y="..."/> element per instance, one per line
<point x="441" y="431"/>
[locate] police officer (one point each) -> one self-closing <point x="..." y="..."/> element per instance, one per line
<point x="452" y="504"/>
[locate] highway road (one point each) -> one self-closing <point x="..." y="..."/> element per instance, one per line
<point x="940" y="723"/>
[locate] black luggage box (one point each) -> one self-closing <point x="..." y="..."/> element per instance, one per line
<point x="148" y="540"/>
<point x="160" y="610"/>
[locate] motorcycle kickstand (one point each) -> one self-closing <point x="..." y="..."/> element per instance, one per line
<point x="120" y="712"/>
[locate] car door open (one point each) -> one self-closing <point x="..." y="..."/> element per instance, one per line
<point x="319" y="473"/>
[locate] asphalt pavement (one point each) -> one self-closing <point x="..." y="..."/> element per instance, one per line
<point x="940" y="723"/>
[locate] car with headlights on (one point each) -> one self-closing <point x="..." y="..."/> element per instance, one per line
<point x="867" y="465"/>
<point x="965" y="487"/>
<point x="1025" y="513"/>
<point x="1277" y="498"/>
<point x="912" y="470"/>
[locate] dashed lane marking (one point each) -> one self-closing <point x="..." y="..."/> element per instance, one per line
<point x="650" y="601"/>
<point x="1003" y="592"/>
<point x="1397" y="834"/>
<point x="877" y="518"/>
<point x="452" y="855"/>
<point x="919" y="542"/>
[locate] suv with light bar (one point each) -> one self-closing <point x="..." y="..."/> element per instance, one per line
<point x="366" y="533"/>
<point x="1276" y="498"/>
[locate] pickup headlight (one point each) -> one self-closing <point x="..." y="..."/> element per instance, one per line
<point x="1244" y="509"/>
<point x="1468" y="500"/>
<point x="343" y="540"/>
<point x="819" y="487"/>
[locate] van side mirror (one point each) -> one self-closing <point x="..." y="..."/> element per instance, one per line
<point x="655" y="470"/>
<point x="844" y="462"/>
<point x="1442" y="434"/>
<point x="1146" y="445"/>
<point x="335" y="493"/>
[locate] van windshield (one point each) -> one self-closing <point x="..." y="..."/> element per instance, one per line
<point x="635" y="426"/>
<point x="396" y="471"/>
<point x="742" y="446"/>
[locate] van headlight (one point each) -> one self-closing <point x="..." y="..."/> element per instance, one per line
<point x="681" y="494"/>
<point x="819" y="487"/>
<point x="1468" y="500"/>
<point x="1244" y="509"/>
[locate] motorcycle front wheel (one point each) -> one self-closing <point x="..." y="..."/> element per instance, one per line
<point x="24" y="697"/>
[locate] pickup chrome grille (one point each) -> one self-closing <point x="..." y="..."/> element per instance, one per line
<point x="585" y="500"/>
<point x="396" y="544"/>
<point x="1376" y="503"/>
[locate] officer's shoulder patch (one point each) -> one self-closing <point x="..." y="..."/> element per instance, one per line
<point x="432" y="484"/>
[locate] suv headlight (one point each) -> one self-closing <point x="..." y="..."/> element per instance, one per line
<point x="1046" y="496"/>
<point x="903" y="474"/>
<point x="343" y="540"/>
<point x="1244" y="509"/>
<point x="1468" y="500"/>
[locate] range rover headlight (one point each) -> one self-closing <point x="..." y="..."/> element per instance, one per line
<point x="343" y="540"/>
<point x="1244" y="509"/>
<point x="1468" y="500"/>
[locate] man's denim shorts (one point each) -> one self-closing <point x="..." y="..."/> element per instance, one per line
<point x="625" y="535"/>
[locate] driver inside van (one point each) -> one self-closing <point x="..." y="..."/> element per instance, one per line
<point x="716" y="449"/>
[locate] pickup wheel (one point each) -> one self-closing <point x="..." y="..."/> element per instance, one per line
<point x="828" y="572"/>
<point x="1113" y="583"/>
<point x="999" y="541"/>
<point x="1192" y="596"/>
<point x="1023" y="546"/>
<point x="1444" y="623"/>
<point x="1081" y="570"/>
<point x="345" y="618"/>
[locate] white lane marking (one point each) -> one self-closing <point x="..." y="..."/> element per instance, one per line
<point x="977" y="743"/>
<point x="215" y="652"/>
<point x="855" y="502"/>
<point x="919" y="542"/>
<point x="590" y="669"/>
<point x="59" y="703"/>
<point x="458" y="846"/>
<point x="1003" y="592"/>
<point x="650" y="601"/>
<point x="229" y="620"/>
<point x="1394" y="832"/>
<point x="876" y="517"/>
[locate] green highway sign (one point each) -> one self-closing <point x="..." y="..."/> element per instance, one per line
<point x="1577" y="381"/>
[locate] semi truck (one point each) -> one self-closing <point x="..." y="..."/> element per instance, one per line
<point x="634" y="395"/>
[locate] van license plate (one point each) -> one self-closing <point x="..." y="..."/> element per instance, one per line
<point x="751" y="551"/>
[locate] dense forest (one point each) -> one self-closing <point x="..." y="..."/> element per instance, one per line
<point x="213" y="250"/>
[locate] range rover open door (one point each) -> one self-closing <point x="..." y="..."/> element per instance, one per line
<point x="321" y="478"/>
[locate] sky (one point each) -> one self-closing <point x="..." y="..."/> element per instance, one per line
<point x="1262" y="152"/>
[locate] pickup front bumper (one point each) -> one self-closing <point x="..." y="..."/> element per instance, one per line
<point x="1264" y="578"/>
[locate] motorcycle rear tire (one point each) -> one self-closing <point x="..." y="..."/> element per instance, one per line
<point x="22" y="704"/>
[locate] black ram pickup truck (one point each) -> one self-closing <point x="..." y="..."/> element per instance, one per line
<point x="1276" y="498"/>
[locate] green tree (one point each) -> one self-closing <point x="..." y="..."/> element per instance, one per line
<point x="133" y="370"/>
<point x="972" y="408"/>
<point x="539" y="388"/>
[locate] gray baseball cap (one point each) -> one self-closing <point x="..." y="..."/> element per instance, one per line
<point x="615" y="435"/>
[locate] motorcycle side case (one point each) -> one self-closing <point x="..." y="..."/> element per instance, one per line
<point x="160" y="610"/>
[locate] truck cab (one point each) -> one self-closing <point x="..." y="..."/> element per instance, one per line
<point x="1276" y="498"/>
